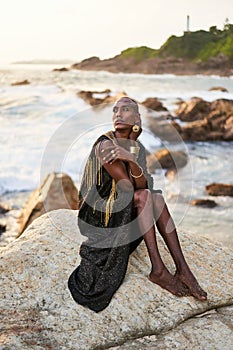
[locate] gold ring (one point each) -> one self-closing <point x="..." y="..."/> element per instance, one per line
<point x="112" y="151"/>
<point x="113" y="154"/>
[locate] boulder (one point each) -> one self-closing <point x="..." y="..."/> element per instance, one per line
<point x="3" y="209"/>
<point x="2" y="228"/>
<point x="217" y="121"/>
<point x="96" y="98"/>
<point x="87" y="96"/>
<point x="154" y="104"/>
<point x="218" y="88"/>
<point x="206" y="121"/>
<point x="210" y="330"/>
<point x="223" y="106"/>
<point x="57" y="191"/>
<point x="161" y="127"/>
<point x="228" y="129"/>
<point x="196" y="131"/>
<point x="62" y="69"/>
<point x="166" y="159"/>
<point x="37" y="310"/>
<point x="205" y="203"/>
<point x="218" y="189"/>
<point x="194" y="109"/>
<point x="22" y="82"/>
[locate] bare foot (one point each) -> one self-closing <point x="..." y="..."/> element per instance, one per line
<point x="190" y="281"/>
<point x="170" y="283"/>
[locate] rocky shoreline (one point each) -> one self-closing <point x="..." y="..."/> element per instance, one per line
<point x="220" y="65"/>
<point x="194" y="120"/>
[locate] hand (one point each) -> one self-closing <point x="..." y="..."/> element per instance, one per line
<point x="111" y="152"/>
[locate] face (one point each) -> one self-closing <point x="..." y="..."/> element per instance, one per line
<point x="124" y="114"/>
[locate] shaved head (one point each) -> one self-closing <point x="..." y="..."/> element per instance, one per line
<point x="130" y="101"/>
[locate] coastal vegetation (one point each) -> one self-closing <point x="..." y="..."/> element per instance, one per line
<point x="200" y="45"/>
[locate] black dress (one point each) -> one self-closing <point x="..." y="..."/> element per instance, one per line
<point x="107" y="218"/>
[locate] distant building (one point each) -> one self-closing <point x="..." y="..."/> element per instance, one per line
<point x="188" y="25"/>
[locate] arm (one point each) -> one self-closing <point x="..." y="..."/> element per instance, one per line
<point x="119" y="163"/>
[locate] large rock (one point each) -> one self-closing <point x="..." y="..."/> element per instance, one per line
<point x="228" y="132"/>
<point x="3" y="209"/>
<point x="154" y="104"/>
<point x="22" y="82"/>
<point x="209" y="331"/>
<point x="217" y="189"/>
<point x="2" y="228"/>
<point x="205" y="203"/>
<point x="164" y="129"/>
<point x="194" y="109"/>
<point x="57" y="191"/>
<point x="206" y="121"/>
<point x="166" y="159"/>
<point x="37" y="310"/>
<point x="62" y="69"/>
<point x="99" y="98"/>
<point x="218" y="88"/>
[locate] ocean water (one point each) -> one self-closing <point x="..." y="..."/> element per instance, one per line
<point x="46" y="127"/>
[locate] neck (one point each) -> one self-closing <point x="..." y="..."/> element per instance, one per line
<point x="122" y="134"/>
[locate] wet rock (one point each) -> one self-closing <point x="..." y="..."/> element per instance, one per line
<point x="171" y="174"/>
<point x="57" y="191"/>
<point x="23" y="82"/>
<point x="218" y="88"/>
<point x="194" y="109"/>
<point x="217" y="121"/>
<point x="87" y="96"/>
<point x="3" y="209"/>
<point x="196" y="131"/>
<point x="218" y="189"/>
<point x="205" y="203"/>
<point x="154" y="104"/>
<point x="62" y="69"/>
<point x="96" y="98"/>
<point x="228" y="129"/>
<point x="37" y="310"/>
<point x="222" y="106"/>
<point x="166" y="159"/>
<point x="2" y="228"/>
<point x="206" y="121"/>
<point x="165" y="129"/>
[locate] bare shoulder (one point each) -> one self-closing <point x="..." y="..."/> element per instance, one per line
<point x="102" y="145"/>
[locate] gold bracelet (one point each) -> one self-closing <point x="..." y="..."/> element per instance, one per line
<point x="136" y="176"/>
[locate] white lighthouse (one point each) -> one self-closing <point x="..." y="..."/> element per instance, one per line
<point x="188" y="21"/>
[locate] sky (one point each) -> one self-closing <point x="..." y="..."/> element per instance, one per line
<point x="78" y="29"/>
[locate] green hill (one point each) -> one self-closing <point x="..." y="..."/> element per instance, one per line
<point x="194" y="46"/>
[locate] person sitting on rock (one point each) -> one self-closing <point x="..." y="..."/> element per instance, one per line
<point x="118" y="209"/>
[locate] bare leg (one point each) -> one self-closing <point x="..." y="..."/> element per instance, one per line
<point x="167" y="230"/>
<point x="159" y="273"/>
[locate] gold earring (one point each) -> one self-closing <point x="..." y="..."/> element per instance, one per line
<point x="135" y="128"/>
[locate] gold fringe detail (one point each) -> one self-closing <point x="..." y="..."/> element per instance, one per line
<point x="110" y="202"/>
<point x="93" y="175"/>
<point x="99" y="172"/>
